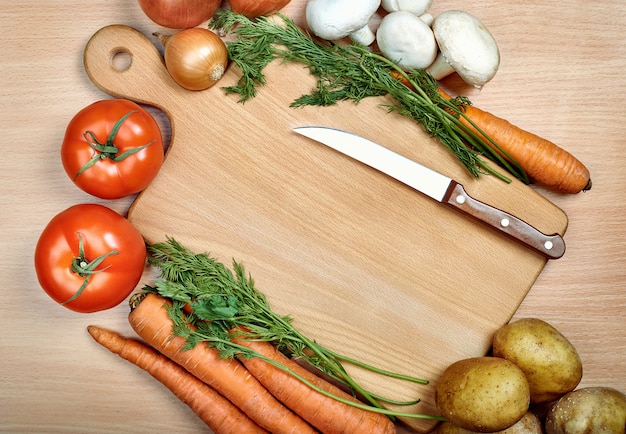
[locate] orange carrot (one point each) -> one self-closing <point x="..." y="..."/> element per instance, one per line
<point x="543" y="161"/>
<point x="326" y="414"/>
<point x="216" y="411"/>
<point x="152" y="323"/>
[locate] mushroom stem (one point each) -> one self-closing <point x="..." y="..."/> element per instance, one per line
<point x="363" y="36"/>
<point x="440" y="68"/>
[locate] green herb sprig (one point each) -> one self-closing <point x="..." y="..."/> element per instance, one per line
<point x="222" y="300"/>
<point x="353" y="72"/>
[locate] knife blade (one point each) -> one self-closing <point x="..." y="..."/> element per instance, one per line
<point x="436" y="186"/>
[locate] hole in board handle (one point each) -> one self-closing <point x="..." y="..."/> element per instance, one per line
<point x="120" y="60"/>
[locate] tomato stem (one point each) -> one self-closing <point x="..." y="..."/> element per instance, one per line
<point x="85" y="268"/>
<point x="108" y="149"/>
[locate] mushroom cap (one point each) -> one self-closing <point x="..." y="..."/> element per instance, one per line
<point x="467" y="46"/>
<point x="405" y="39"/>
<point x="418" y="7"/>
<point x="336" y="19"/>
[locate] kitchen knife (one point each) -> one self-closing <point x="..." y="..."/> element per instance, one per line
<point x="434" y="185"/>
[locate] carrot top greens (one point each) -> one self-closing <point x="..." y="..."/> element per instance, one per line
<point x="352" y="72"/>
<point x="222" y="300"/>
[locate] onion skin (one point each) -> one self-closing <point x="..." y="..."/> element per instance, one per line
<point x="179" y="14"/>
<point x="257" y="8"/>
<point x="195" y="58"/>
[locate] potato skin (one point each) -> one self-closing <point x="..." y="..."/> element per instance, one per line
<point x="550" y="362"/>
<point x="482" y="394"/>
<point x="528" y="424"/>
<point x="588" y="410"/>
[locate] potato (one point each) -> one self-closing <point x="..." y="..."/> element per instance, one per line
<point x="528" y="424"/>
<point x="548" y="359"/>
<point x="483" y="394"/>
<point x="588" y="410"/>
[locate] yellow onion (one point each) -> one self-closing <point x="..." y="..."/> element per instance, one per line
<point x="195" y="58"/>
<point x="179" y="14"/>
<point x="257" y="8"/>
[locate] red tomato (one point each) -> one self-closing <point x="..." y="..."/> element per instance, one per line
<point x="112" y="148"/>
<point x="89" y="258"/>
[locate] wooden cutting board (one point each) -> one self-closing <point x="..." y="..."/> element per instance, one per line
<point x="364" y="264"/>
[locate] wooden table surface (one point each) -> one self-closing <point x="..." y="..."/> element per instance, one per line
<point x="561" y="76"/>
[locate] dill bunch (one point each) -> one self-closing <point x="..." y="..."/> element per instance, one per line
<point x="220" y="300"/>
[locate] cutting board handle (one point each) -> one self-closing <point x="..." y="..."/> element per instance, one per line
<point x="124" y="63"/>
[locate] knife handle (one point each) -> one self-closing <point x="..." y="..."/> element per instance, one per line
<point x="551" y="246"/>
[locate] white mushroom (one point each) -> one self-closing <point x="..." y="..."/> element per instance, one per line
<point x="405" y="39"/>
<point x="336" y="19"/>
<point x="418" y="7"/>
<point x="427" y="18"/>
<point x="466" y="46"/>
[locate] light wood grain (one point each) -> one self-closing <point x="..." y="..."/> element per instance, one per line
<point x="367" y="264"/>
<point x="561" y="77"/>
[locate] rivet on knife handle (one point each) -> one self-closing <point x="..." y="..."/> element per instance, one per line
<point x="551" y="246"/>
